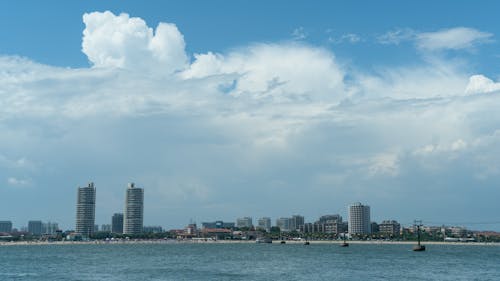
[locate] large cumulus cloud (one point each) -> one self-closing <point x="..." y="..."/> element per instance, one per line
<point x="127" y="42"/>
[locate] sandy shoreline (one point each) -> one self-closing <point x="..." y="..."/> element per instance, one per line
<point x="133" y="242"/>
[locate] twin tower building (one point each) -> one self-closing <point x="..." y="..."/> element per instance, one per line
<point x="132" y="218"/>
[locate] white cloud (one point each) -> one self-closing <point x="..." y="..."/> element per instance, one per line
<point x="299" y="33"/>
<point x="127" y="42"/>
<point x="351" y="38"/>
<point x="12" y="181"/>
<point x="282" y="72"/>
<point x="455" y="146"/>
<point x="435" y="79"/>
<point x="384" y="164"/>
<point x="397" y="36"/>
<point x="481" y="84"/>
<point x="454" y="38"/>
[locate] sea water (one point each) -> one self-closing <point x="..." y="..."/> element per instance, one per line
<point x="218" y="261"/>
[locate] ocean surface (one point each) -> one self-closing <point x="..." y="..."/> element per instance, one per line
<point x="178" y="261"/>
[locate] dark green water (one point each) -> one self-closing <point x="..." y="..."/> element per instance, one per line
<point x="248" y="262"/>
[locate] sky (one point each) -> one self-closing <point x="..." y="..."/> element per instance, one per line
<point x="225" y="109"/>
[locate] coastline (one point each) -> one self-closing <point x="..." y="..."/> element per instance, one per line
<point x="173" y="241"/>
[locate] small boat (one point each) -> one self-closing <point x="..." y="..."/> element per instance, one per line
<point x="265" y="240"/>
<point x="419" y="247"/>
<point x="306" y="243"/>
<point x="344" y="243"/>
<point x="283" y="242"/>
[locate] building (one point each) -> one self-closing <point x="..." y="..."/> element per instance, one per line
<point x="284" y="224"/>
<point x="359" y="219"/>
<point x="217" y="224"/>
<point x="117" y="223"/>
<point x="191" y="229"/>
<point x="134" y="210"/>
<point x="330" y="218"/>
<point x="264" y="223"/>
<point x="106" y="228"/>
<point x="152" y="229"/>
<point x="389" y="227"/>
<point x="296" y="222"/>
<point x="244" y="222"/>
<point x="50" y="228"/>
<point x="374" y="227"/>
<point x="35" y="228"/>
<point x="85" y="210"/>
<point x="458" y="231"/>
<point x="5" y="226"/>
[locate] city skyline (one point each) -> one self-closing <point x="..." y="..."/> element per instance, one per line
<point x="226" y="110"/>
<point x="358" y="216"/>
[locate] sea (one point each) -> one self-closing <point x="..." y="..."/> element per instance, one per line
<point x="247" y="261"/>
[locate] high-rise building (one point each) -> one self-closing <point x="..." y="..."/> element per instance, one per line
<point x="6" y="226"/>
<point x="296" y="222"/>
<point x="244" y="222"/>
<point x="359" y="219"/>
<point x="35" y="227"/>
<point x="264" y="223"/>
<point x="283" y="224"/>
<point x="117" y="223"/>
<point x="85" y="210"/>
<point x="50" y="228"/>
<point x="134" y="210"/>
<point x="106" y="228"/>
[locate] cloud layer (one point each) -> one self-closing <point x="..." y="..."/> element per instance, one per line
<point x="264" y="129"/>
<point x="456" y="38"/>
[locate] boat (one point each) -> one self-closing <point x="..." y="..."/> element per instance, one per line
<point x="306" y="243"/>
<point x="419" y="247"/>
<point x="265" y="240"/>
<point x="344" y="243"/>
<point x="283" y="242"/>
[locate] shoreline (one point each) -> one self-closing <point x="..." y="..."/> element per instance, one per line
<point x="173" y="241"/>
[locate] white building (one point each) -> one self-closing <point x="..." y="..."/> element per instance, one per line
<point x="6" y="226"/>
<point x="264" y="223"/>
<point x="50" y="228"/>
<point x="134" y="210"/>
<point x="85" y="210"/>
<point x="106" y="227"/>
<point x="359" y="219"/>
<point x="244" y="222"/>
<point x="296" y="222"/>
<point x="283" y="224"/>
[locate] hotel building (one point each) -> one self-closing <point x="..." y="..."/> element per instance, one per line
<point x="134" y="210"/>
<point x="359" y="219"/>
<point x="85" y="210"/>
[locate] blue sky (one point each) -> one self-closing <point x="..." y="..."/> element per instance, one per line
<point x="251" y="109"/>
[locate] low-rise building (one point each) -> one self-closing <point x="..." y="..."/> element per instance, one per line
<point x="152" y="229"/>
<point x="389" y="227"/>
<point x="217" y="224"/>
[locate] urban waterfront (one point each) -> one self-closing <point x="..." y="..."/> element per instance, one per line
<point x="247" y="261"/>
